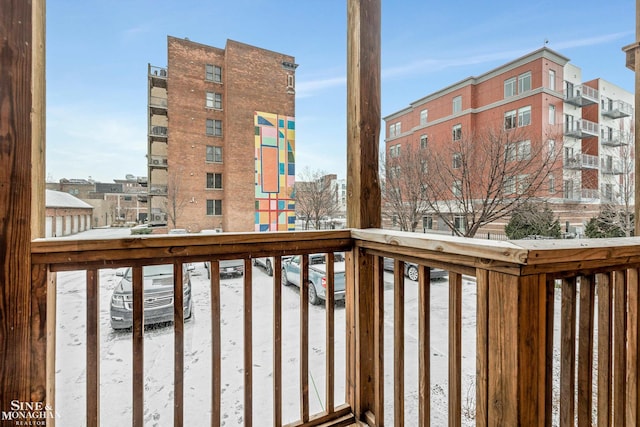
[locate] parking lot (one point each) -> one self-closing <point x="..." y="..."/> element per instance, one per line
<point x="116" y="358"/>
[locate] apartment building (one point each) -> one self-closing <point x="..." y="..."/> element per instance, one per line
<point x="545" y="94"/>
<point x="221" y="143"/>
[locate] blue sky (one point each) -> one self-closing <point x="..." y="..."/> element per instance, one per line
<point x="97" y="56"/>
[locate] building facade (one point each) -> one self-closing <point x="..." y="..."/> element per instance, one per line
<point x="66" y="214"/>
<point x="545" y="94"/>
<point x="221" y="143"/>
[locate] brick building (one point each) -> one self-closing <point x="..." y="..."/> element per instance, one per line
<point x="222" y="138"/>
<point x="65" y="214"/>
<point x="544" y="93"/>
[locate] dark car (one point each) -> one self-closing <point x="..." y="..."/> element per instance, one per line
<point x="411" y="270"/>
<point x="158" y="296"/>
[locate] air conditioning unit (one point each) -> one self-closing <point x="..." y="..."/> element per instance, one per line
<point x="158" y="217"/>
<point x="156" y="161"/>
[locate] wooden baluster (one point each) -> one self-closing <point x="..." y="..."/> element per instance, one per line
<point x="304" y="338"/>
<point x="248" y="344"/>
<point x="277" y="341"/>
<point x="633" y="361"/>
<point x="216" y="348"/>
<point x="455" y="349"/>
<point x="620" y="348"/>
<point x="605" y="334"/>
<point x="424" y="346"/>
<point x="178" y="344"/>
<point x="568" y="352"/>
<point x="329" y="311"/>
<point x="482" y="347"/>
<point x="585" y="350"/>
<point x="398" y="342"/>
<point x="93" y="349"/>
<point x="138" y="346"/>
<point x="378" y="298"/>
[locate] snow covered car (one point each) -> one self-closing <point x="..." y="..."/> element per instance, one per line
<point x="267" y="263"/>
<point x="317" y="276"/>
<point x="158" y="296"/>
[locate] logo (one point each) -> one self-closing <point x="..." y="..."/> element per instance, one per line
<point x="27" y="413"/>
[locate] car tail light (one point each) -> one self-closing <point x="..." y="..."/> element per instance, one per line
<point x="324" y="282"/>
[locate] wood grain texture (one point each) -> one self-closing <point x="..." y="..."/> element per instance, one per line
<point x="216" y="344"/>
<point x="455" y="350"/>
<point x="585" y="350"/>
<point x="178" y="345"/>
<point x="304" y="338"/>
<point x="620" y="347"/>
<point x="138" y="347"/>
<point x="398" y="343"/>
<point x="632" y="348"/>
<point x="277" y="341"/>
<point x="93" y="349"/>
<point x="482" y="348"/>
<point x="19" y="347"/>
<point x="363" y="113"/>
<point x="605" y="347"/>
<point x="424" y="346"/>
<point x="38" y="119"/>
<point x="248" y="343"/>
<point x="568" y="352"/>
<point x="378" y="301"/>
<point x="330" y="325"/>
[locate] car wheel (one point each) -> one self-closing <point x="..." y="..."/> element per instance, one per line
<point x="269" y="268"/>
<point x="191" y="315"/>
<point x="313" y="295"/>
<point x="412" y="272"/>
<point x="285" y="281"/>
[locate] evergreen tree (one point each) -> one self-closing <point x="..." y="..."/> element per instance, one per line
<point x="529" y="220"/>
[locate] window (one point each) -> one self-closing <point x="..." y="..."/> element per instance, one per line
<point x="214" y="207"/>
<point x="457" y="132"/>
<point x="607" y="192"/>
<point x="214" y="154"/>
<point x="524" y="150"/>
<point x="458" y="223"/>
<point x="524" y="82"/>
<point x="213" y="73"/>
<point x="394" y="129"/>
<point x="509" y="185"/>
<point x="427" y="222"/>
<point x="214" y="100"/>
<point x="510" y="152"/>
<point x="424" y="166"/>
<point x="457" y="104"/>
<point x="552" y="114"/>
<point x="457" y="160"/>
<point x="423" y="141"/>
<point x="552" y="184"/>
<point x="424" y="114"/>
<point x="524" y="116"/>
<point x="214" y="127"/>
<point x="394" y="150"/>
<point x="457" y="188"/>
<point x="568" y="189"/>
<point x="551" y="146"/>
<point x="552" y="79"/>
<point x="214" y="180"/>
<point x="510" y="87"/>
<point x="523" y="184"/>
<point x="290" y="81"/>
<point x="510" y="119"/>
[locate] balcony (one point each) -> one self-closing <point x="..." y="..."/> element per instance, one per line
<point x="581" y="129"/>
<point x="611" y="167"/>
<point x="581" y="161"/>
<point x="158" y="133"/>
<point x="158" y="105"/>
<point x="158" y="190"/>
<point x="617" y="109"/>
<point x="614" y="138"/>
<point x="581" y="96"/>
<point x="158" y="162"/>
<point x="513" y="314"/>
<point x="157" y="76"/>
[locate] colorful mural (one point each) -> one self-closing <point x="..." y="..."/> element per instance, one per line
<point x="275" y="172"/>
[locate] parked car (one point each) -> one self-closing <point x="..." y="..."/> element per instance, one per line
<point x="267" y="263"/>
<point x="158" y="296"/>
<point x="411" y="270"/>
<point x="317" y="276"/>
<point x="228" y="268"/>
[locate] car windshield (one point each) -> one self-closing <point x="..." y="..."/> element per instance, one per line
<point x="153" y="270"/>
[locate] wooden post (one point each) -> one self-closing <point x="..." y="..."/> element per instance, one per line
<point x="517" y="350"/>
<point x="23" y="306"/>
<point x="363" y="207"/>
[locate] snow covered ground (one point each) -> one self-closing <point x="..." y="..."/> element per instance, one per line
<point x="116" y="357"/>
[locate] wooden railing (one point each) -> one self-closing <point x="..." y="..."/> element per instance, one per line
<point x="525" y="373"/>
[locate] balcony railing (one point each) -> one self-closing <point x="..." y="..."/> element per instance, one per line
<point x="521" y="377"/>
<point x="581" y="129"/>
<point x="617" y="109"/>
<point x="581" y="96"/>
<point x="614" y="138"/>
<point x="158" y="102"/>
<point x="158" y="131"/>
<point x="581" y="161"/>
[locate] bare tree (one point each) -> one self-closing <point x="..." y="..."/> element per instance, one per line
<point x="617" y="210"/>
<point x="176" y="199"/>
<point x="481" y="177"/>
<point x="316" y="196"/>
<point x="403" y="171"/>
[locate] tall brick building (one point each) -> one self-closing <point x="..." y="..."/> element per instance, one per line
<point x="545" y="94"/>
<point x="221" y="141"/>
